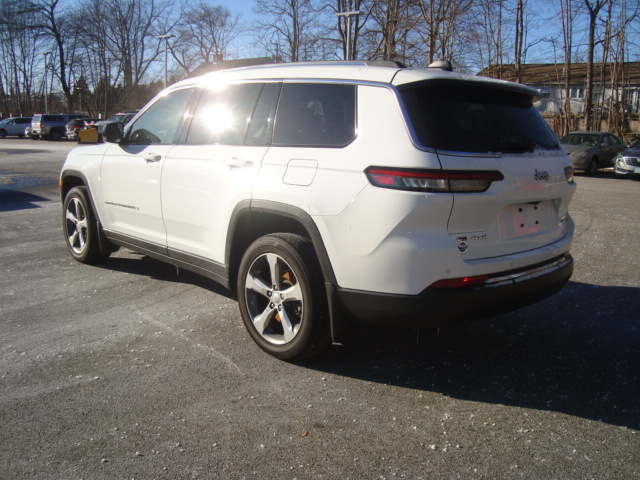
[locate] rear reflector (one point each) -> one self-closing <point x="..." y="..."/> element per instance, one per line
<point x="505" y="278"/>
<point x="459" y="282"/>
<point x="451" y="181"/>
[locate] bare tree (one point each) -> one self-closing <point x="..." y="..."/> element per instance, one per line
<point x="50" y="20"/>
<point x="205" y="33"/>
<point x="395" y="21"/>
<point x="287" y="28"/>
<point x="567" y="15"/>
<point x="350" y="27"/>
<point x="122" y="45"/>
<point x="443" y="20"/>
<point x="627" y="14"/>
<point x="19" y="55"/>
<point x="519" y="24"/>
<point x="491" y="14"/>
<point x="593" y="10"/>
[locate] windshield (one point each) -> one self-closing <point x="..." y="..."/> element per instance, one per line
<point x="478" y="117"/>
<point x="583" y="139"/>
<point x="118" y="117"/>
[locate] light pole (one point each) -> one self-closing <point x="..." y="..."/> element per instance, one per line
<point x="46" y="109"/>
<point x="166" y="38"/>
<point x="348" y="15"/>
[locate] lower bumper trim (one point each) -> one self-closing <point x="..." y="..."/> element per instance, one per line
<point x="433" y="308"/>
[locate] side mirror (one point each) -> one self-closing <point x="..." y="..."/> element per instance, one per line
<point x="113" y="132"/>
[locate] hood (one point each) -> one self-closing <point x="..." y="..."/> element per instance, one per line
<point x="631" y="152"/>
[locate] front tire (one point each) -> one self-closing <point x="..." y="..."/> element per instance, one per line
<point x="281" y="296"/>
<point x="592" y="168"/>
<point x="81" y="228"/>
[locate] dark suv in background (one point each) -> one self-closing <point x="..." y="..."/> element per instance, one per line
<point x="52" y="126"/>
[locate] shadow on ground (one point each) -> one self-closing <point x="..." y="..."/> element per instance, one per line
<point x="127" y="261"/>
<point x="576" y="353"/>
<point x="12" y="200"/>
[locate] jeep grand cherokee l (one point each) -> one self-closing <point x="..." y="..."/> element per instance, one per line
<point x="332" y="194"/>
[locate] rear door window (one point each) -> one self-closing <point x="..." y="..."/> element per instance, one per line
<point x="463" y="117"/>
<point x="311" y="114"/>
<point x="613" y="140"/>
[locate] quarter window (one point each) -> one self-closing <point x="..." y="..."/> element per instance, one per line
<point x="322" y="115"/>
<point x="159" y="123"/>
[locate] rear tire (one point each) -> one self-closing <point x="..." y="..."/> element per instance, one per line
<point x="55" y="135"/>
<point x="281" y="296"/>
<point x="81" y="228"/>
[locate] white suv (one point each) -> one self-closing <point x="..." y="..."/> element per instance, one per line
<point x="332" y="194"/>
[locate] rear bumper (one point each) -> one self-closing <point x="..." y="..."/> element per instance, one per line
<point x="504" y="292"/>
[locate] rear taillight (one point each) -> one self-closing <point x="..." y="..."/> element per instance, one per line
<point x="453" y="181"/>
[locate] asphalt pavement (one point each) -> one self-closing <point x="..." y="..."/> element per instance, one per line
<point x="133" y="369"/>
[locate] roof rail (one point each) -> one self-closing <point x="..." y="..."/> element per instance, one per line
<point x="384" y="63"/>
<point x="354" y="63"/>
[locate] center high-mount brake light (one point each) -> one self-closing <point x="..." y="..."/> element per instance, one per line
<point x="453" y="181"/>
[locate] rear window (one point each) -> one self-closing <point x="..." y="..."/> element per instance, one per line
<point x="475" y="117"/>
<point x="581" y="139"/>
<point x="312" y="114"/>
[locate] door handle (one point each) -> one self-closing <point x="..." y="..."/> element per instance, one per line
<point x="238" y="162"/>
<point x="152" y="157"/>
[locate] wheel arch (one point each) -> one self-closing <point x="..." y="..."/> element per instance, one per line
<point x="74" y="178"/>
<point x="70" y="179"/>
<point x="253" y="219"/>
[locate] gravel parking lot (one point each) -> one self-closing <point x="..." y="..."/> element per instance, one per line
<point x="134" y="370"/>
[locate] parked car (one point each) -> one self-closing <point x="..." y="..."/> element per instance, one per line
<point x="52" y="126"/>
<point x="332" y="194"/>
<point x="591" y="151"/>
<point x="74" y="126"/>
<point x="14" y="126"/>
<point x="628" y="162"/>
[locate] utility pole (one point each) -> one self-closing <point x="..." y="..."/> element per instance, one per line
<point x="348" y="15"/>
<point x="46" y="108"/>
<point x="166" y="38"/>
